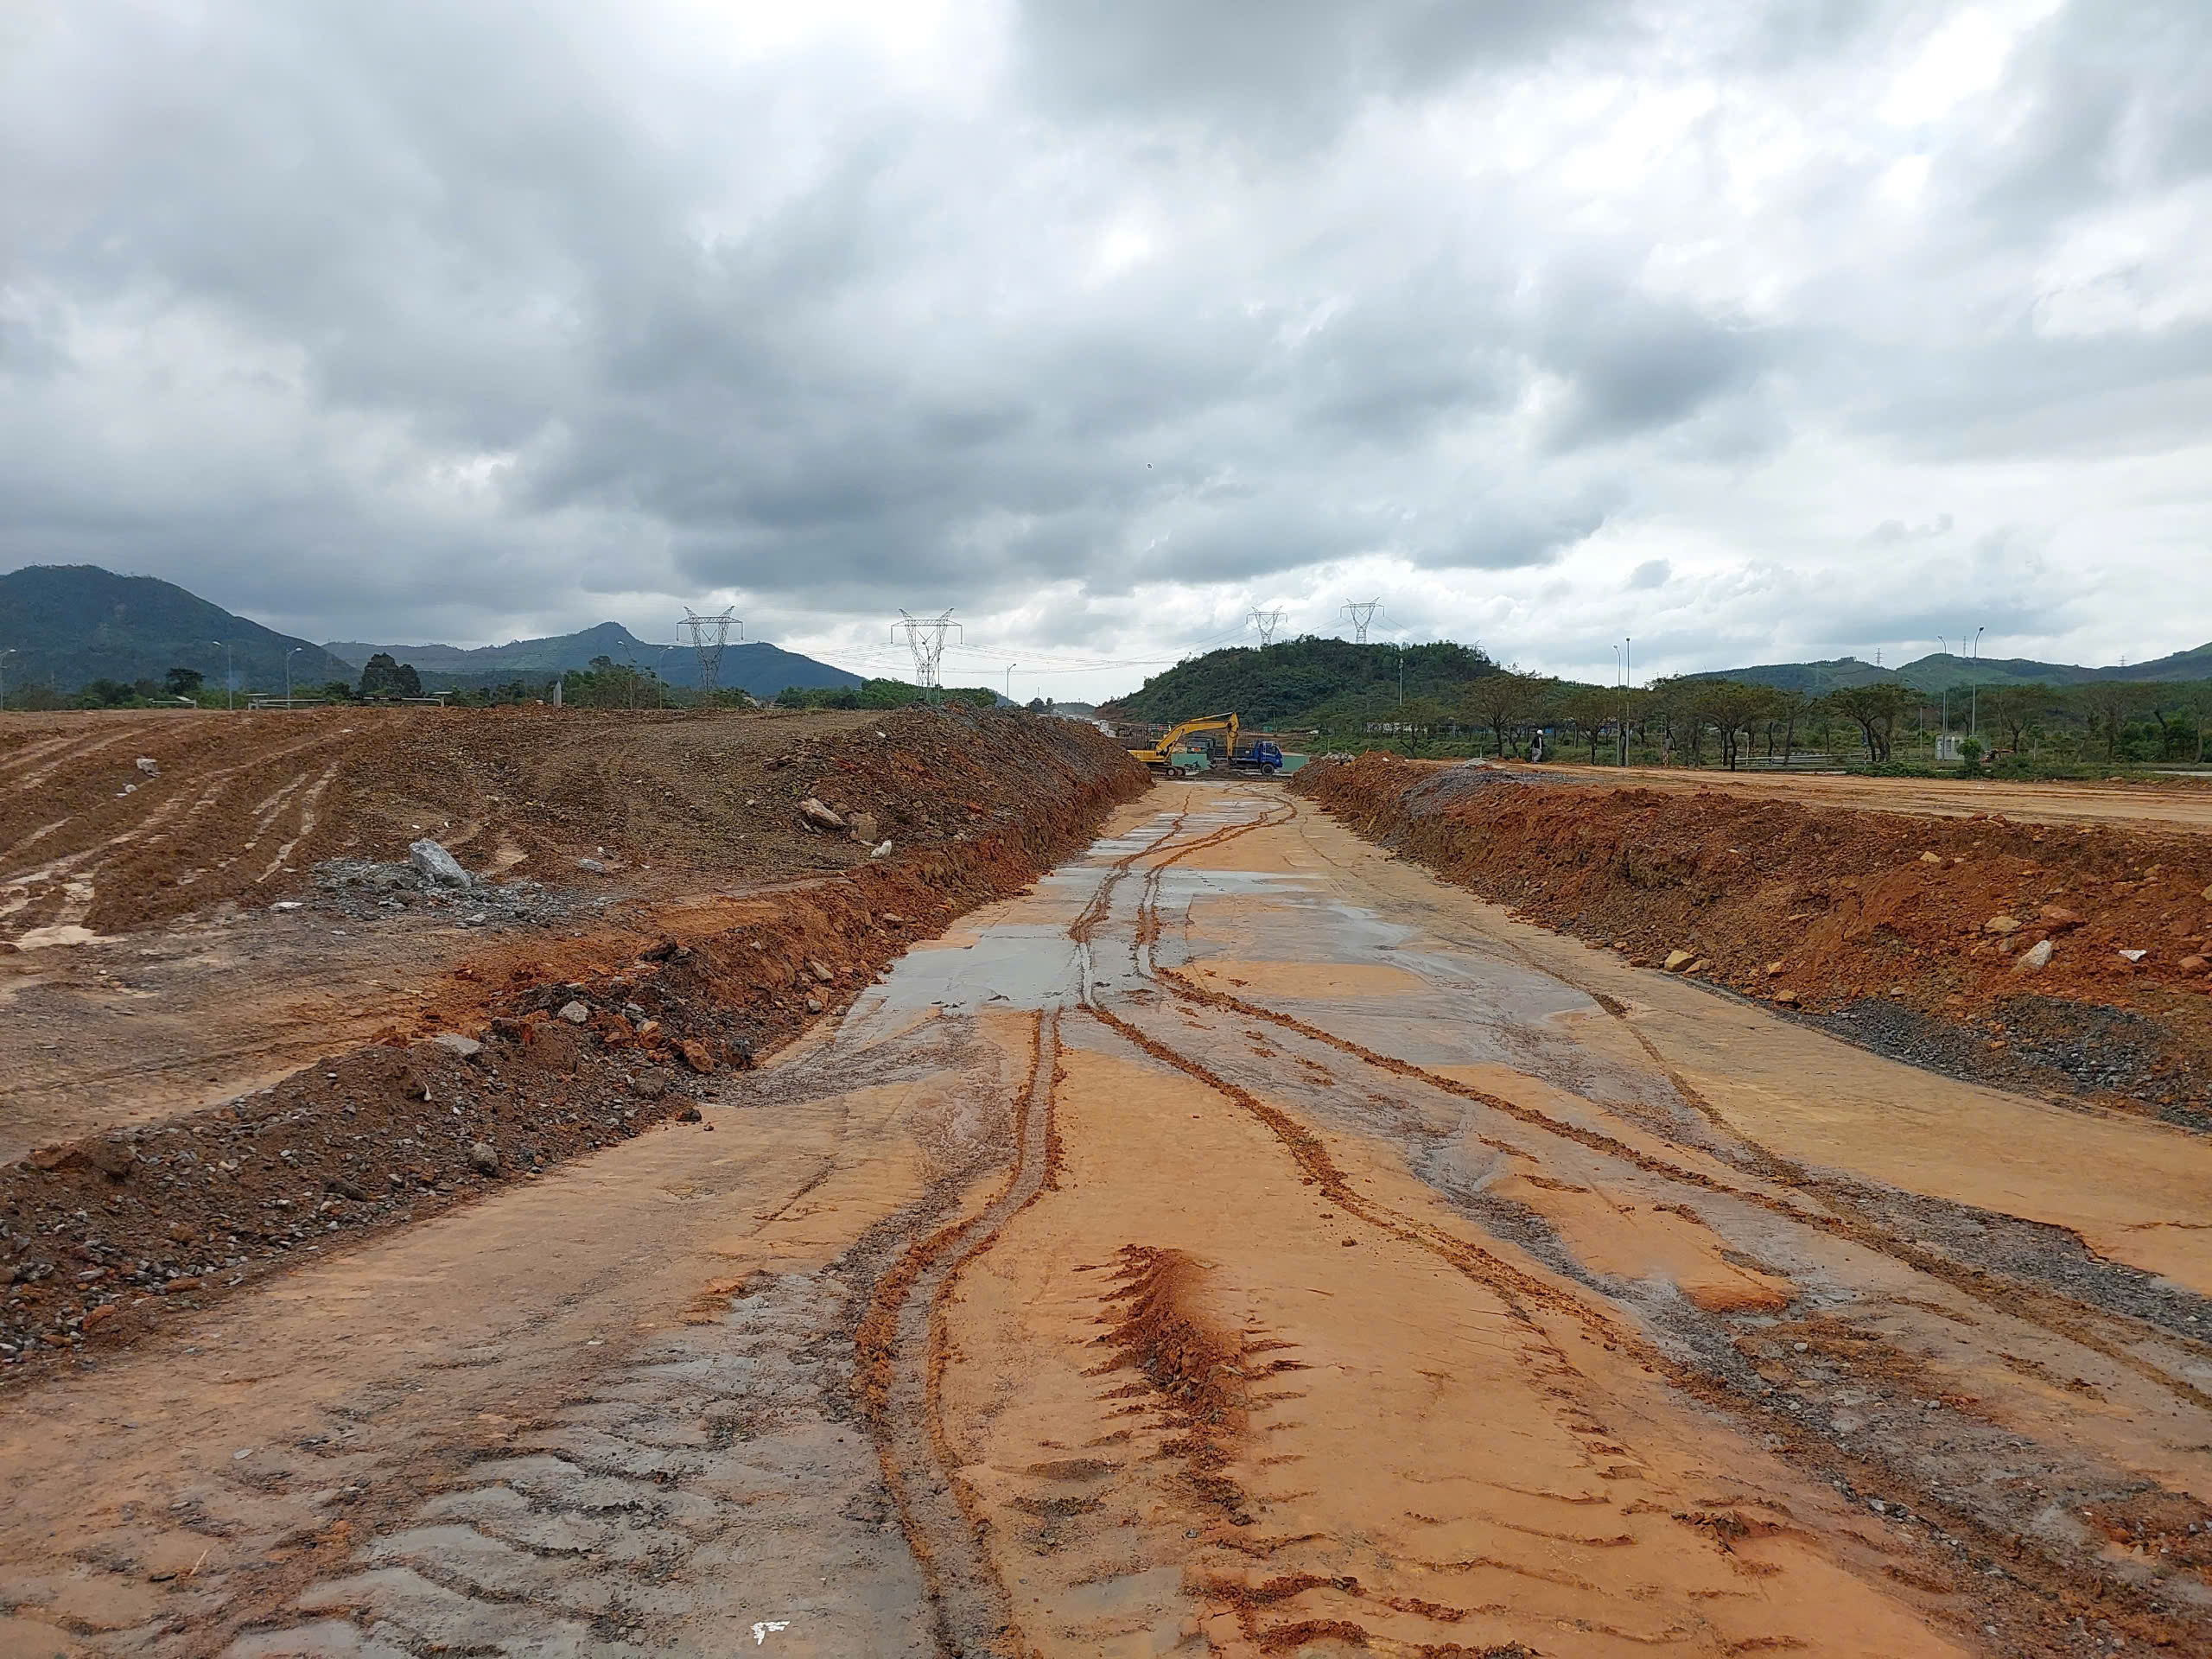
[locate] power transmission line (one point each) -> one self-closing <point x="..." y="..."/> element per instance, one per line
<point x="1267" y="622"/>
<point x="708" y="635"/>
<point x="926" y="639"/>
<point x="1360" y="612"/>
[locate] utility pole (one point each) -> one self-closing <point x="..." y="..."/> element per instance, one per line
<point x="710" y="634"/>
<point x="1360" y="612"/>
<point x="4" y="656"/>
<point x="229" y="698"/>
<point x="924" y="637"/>
<point x="1945" y="643"/>
<point x="1401" y="675"/>
<point x="1267" y="622"/>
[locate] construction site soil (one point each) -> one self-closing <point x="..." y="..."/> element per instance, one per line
<point x="707" y="1230"/>
<point x="2068" y="958"/>
<point x="686" y="912"/>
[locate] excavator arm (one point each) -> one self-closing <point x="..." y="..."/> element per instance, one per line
<point x="1158" y="756"/>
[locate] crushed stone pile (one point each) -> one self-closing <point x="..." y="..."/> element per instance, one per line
<point x="366" y="889"/>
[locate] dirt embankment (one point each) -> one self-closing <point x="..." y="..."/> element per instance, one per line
<point x="2059" y="958"/>
<point x="532" y="1048"/>
<point x="109" y="823"/>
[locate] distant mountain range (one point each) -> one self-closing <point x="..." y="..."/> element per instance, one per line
<point x="66" y="624"/>
<point x="1938" y="670"/>
<point x="761" y="670"/>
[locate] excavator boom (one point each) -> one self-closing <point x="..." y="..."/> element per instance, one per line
<point x="1159" y="757"/>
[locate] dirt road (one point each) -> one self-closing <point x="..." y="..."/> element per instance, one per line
<point x="2185" y="804"/>
<point x="1240" y="1244"/>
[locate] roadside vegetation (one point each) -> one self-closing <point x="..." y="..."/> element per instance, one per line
<point x="1455" y="700"/>
<point x="882" y="694"/>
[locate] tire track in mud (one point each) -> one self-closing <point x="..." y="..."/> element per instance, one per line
<point x="900" y="1338"/>
<point x="1843" y="1218"/>
<point x="901" y="1348"/>
<point x="2043" y="1573"/>
<point x="1306" y="1149"/>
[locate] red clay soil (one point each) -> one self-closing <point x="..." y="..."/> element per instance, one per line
<point x="1828" y="908"/>
<point x="241" y="807"/>
<point x="585" y="1039"/>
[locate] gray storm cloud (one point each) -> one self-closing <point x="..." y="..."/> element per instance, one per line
<point x="466" y="321"/>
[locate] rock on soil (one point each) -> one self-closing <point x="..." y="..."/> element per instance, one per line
<point x="439" y="864"/>
<point x="364" y="890"/>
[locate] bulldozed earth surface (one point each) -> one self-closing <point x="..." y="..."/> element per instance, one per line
<point x="1915" y="933"/>
<point x="1222" y="1236"/>
<point x="682" y="913"/>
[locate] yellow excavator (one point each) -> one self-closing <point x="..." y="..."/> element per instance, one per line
<point x="1262" y="758"/>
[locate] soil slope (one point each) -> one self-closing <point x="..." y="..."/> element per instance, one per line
<point x="1925" y="931"/>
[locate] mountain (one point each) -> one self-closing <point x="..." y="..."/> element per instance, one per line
<point x="1308" y="681"/>
<point x="71" y="623"/>
<point x="2194" y="664"/>
<point x="1940" y="670"/>
<point x="1814" y="679"/>
<point x="762" y="670"/>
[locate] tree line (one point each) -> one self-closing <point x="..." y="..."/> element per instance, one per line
<point x="1678" y="721"/>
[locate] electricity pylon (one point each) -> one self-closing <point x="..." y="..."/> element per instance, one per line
<point x="924" y="636"/>
<point x="1360" y="612"/>
<point x="708" y="635"/>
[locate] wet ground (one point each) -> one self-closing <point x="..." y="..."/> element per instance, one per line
<point x="1241" y="1243"/>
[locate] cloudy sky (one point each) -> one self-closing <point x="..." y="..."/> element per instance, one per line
<point x="1755" y="331"/>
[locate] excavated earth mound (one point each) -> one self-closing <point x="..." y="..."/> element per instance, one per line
<point x="564" y="1023"/>
<point x="2058" y="959"/>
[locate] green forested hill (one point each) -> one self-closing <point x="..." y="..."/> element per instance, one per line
<point x="1308" y="681"/>
<point x="71" y="623"/>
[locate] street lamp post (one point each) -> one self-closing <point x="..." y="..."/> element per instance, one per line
<point x="4" y="656"/>
<point x="230" y="697"/>
<point x="1010" y="667"/>
<point x="288" y="654"/>
<point x="1940" y="640"/>
<point x="1974" y="685"/>
<point x="1628" y="684"/>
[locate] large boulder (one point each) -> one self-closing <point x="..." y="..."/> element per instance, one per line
<point x="438" y="865"/>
